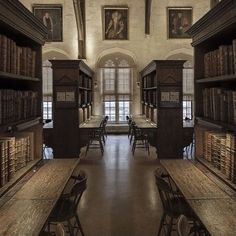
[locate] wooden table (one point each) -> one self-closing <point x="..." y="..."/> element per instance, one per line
<point x="214" y="207"/>
<point x="93" y="123"/>
<point x="27" y="210"/>
<point x="143" y="123"/>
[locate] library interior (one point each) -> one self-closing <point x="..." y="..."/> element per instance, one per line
<point x="117" y="118"/>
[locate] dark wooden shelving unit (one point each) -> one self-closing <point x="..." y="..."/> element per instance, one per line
<point x="161" y="102"/>
<point x="215" y="127"/>
<point x="20" y="29"/>
<point x="72" y="99"/>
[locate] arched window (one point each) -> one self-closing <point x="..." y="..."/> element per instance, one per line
<point x="47" y="90"/>
<point x="117" y="83"/>
<point x="188" y="90"/>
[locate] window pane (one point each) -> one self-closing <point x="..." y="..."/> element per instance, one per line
<point x="109" y="79"/>
<point x="124" y="80"/>
<point x="187" y="109"/>
<point x="188" y="82"/>
<point x="47" y="107"/>
<point x="124" y="110"/>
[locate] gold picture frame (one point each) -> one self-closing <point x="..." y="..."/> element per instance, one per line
<point x="179" y="20"/>
<point x="51" y="16"/>
<point x="115" y="23"/>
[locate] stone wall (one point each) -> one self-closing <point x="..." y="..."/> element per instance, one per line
<point x="142" y="48"/>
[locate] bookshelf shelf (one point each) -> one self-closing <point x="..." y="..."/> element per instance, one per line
<point x="150" y="88"/>
<point x="159" y="80"/>
<point x="21" y="39"/>
<point x="215" y="124"/>
<point x="215" y="94"/>
<point x="10" y="76"/>
<point x="20" y="125"/>
<point x="84" y="88"/>
<point x="223" y="78"/>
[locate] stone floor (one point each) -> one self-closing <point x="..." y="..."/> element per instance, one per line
<point x="121" y="198"/>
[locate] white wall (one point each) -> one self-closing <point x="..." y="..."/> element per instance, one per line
<point x="140" y="47"/>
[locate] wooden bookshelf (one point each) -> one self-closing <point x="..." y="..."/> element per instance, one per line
<point x="72" y="99"/>
<point x="161" y="102"/>
<point x="214" y="41"/>
<point x="21" y="39"/>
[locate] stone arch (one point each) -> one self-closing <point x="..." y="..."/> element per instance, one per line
<point x="50" y="54"/>
<point x="116" y="53"/>
<point x="180" y="54"/>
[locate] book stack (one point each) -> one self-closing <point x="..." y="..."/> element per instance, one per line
<point x="223" y="155"/>
<point x="230" y="156"/>
<point x="219" y="149"/>
<point x="15" y="152"/>
<point x="221" y="61"/>
<point x="3" y="163"/>
<point x="15" y="59"/>
<point x="17" y="105"/>
<point x="220" y="105"/>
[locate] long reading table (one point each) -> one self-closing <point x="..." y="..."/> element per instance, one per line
<point x="26" y="212"/>
<point x="213" y="206"/>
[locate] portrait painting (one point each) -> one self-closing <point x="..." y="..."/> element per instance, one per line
<point x="115" y="23"/>
<point x="179" y="21"/>
<point x="51" y="17"/>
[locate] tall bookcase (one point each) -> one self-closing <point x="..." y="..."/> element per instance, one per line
<point x="72" y="105"/>
<point x="161" y="101"/>
<point x="21" y="40"/>
<point x="214" y="42"/>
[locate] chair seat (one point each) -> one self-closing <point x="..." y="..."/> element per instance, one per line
<point x="65" y="208"/>
<point x="179" y="206"/>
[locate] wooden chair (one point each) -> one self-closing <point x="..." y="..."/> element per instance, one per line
<point x="67" y="207"/>
<point x="173" y="206"/>
<point x="96" y="140"/>
<point x="59" y="231"/>
<point x="140" y="140"/>
<point x="183" y="226"/>
<point x="129" y="121"/>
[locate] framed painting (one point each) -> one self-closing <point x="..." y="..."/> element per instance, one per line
<point x="51" y="16"/>
<point x="115" y="23"/>
<point x="179" y="21"/>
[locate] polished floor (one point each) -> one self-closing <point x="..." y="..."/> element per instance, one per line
<point x="121" y="198"/>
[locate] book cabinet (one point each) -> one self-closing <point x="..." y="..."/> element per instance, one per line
<point x="72" y="105"/>
<point x="161" y="101"/>
<point x="214" y="42"/>
<point x="21" y="40"/>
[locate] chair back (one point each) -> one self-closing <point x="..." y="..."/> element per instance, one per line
<point x="77" y="191"/>
<point x="183" y="226"/>
<point x="166" y="193"/>
<point x="60" y="230"/>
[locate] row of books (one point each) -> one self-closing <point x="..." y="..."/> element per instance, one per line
<point x="219" y="149"/>
<point x="85" y="81"/>
<point x="149" y="81"/>
<point x="15" y="152"/>
<point x="16" y="59"/>
<point x="16" y="105"/>
<point x="85" y="97"/>
<point x="85" y="114"/>
<point x="221" y="61"/>
<point x="220" y="104"/>
<point x="150" y="97"/>
<point x="150" y="113"/>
